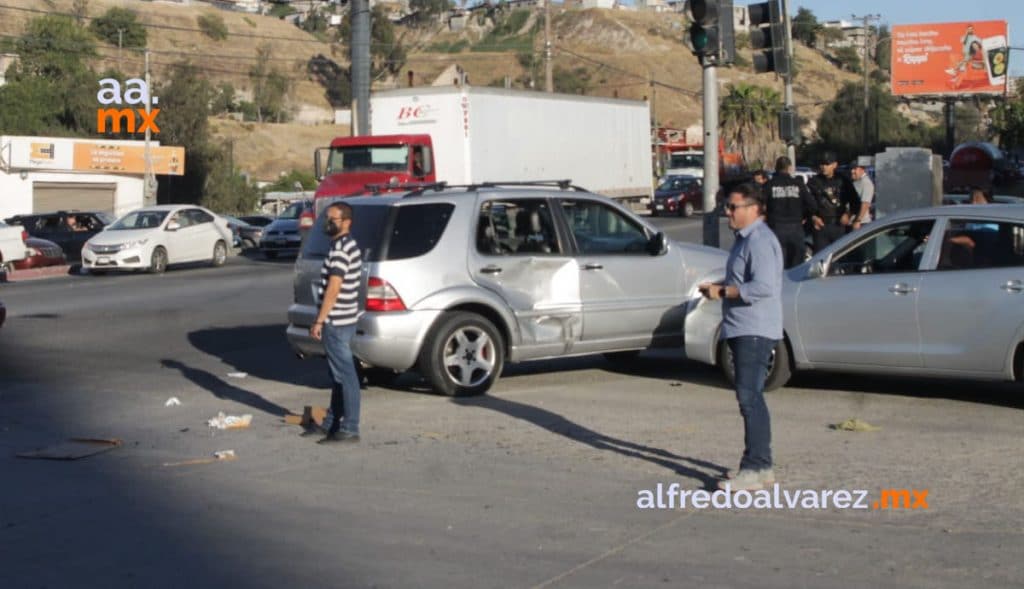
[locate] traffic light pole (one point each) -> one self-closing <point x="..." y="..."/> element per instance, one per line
<point x="788" y="97"/>
<point x="710" y="155"/>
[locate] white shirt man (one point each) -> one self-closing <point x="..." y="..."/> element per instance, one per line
<point x="866" y="191"/>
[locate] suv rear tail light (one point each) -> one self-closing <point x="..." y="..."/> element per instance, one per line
<point x="306" y="220"/>
<point x="381" y="296"/>
<point x="24" y="236"/>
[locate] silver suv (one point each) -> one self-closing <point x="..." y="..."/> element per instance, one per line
<point x="459" y="281"/>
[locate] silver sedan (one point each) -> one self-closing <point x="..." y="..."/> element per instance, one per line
<point x="935" y="292"/>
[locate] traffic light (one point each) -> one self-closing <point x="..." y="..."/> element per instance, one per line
<point x="712" y="37"/>
<point x="768" y="38"/>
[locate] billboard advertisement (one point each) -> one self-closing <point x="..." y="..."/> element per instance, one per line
<point x="89" y="155"/>
<point x="950" y="58"/>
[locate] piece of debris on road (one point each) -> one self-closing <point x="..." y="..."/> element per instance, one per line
<point x="223" y="421"/>
<point x="218" y="456"/>
<point x="74" y="449"/>
<point x="853" y="425"/>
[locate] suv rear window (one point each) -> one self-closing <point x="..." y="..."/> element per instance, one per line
<point x="417" y="229"/>
<point x="368" y="223"/>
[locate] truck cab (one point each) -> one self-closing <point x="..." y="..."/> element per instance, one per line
<point x="352" y="164"/>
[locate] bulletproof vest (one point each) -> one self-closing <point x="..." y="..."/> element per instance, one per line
<point x="827" y="193"/>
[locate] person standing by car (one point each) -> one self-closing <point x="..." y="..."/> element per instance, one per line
<point x="835" y="200"/>
<point x="788" y="206"/>
<point x="751" y="296"/>
<point x="865" y="188"/>
<point x="336" y="323"/>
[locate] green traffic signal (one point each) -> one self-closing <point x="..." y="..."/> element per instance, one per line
<point x="698" y="38"/>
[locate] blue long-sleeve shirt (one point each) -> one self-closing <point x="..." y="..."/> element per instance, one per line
<point x="755" y="268"/>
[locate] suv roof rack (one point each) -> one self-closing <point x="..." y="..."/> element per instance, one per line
<point x="561" y="184"/>
<point x="405" y="186"/>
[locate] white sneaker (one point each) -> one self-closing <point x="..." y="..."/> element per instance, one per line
<point x="745" y="480"/>
<point x="767" y="475"/>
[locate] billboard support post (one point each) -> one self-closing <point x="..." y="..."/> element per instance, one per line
<point x="950" y="118"/>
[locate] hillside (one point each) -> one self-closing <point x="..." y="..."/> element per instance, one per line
<point x="610" y="52"/>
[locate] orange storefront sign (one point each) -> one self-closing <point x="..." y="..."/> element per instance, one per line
<point x="950" y="58"/>
<point x="128" y="159"/>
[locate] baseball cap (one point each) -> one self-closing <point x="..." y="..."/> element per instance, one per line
<point x="828" y="157"/>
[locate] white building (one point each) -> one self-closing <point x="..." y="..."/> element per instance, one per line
<point x="42" y="174"/>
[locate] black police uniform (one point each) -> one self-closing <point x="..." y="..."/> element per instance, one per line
<point x="833" y="197"/>
<point x="789" y="203"/>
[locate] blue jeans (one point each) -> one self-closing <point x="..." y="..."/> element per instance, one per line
<point x="344" y="381"/>
<point x="751" y="355"/>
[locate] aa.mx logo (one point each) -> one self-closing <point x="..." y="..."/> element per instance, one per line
<point x="136" y="92"/>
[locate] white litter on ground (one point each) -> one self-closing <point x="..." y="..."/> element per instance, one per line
<point x="238" y="374"/>
<point x="230" y="421"/>
<point x="173" y="401"/>
<point x="225" y="455"/>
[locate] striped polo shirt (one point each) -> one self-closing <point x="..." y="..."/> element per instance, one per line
<point x="345" y="261"/>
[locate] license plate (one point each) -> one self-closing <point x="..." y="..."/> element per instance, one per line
<point x="282" y="242"/>
<point x="660" y="207"/>
<point x="103" y="260"/>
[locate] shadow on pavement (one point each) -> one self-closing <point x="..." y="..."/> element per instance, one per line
<point x="557" y="424"/>
<point x="225" y="390"/>
<point x="262" y="351"/>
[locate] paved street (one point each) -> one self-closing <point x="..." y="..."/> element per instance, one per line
<point x="533" y="485"/>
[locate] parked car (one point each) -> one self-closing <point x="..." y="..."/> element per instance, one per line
<point x="930" y="292"/>
<point x="246" y="236"/>
<point x="282" y="237"/>
<point x="460" y="281"/>
<point x="3" y="313"/>
<point x="257" y="220"/>
<point x="154" y="237"/>
<point x="678" y="195"/>
<point x="12" y="245"/>
<point x="964" y="199"/>
<point x="59" y="228"/>
<point x="41" y="253"/>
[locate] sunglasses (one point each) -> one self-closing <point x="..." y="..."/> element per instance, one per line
<point x="732" y="207"/>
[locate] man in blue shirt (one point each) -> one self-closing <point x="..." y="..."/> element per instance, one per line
<point x="751" y="296"/>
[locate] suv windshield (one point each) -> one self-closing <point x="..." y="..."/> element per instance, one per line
<point x="294" y="211"/>
<point x="139" y="220"/>
<point x="364" y="158"/>
<point x="368" y="222"/>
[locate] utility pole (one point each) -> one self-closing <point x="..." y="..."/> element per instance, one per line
<point x="361" y="65"/>
<point x="149" y="181"/>
<point x="549" y="77"/>
<point x="120" y="42"/>
<point x="866" y="19"/>
<point x="710" y="154"/>
<point x="788" y="94"/>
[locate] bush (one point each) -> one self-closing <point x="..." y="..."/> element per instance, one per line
<point x="106" y="27"/>
<point x="212" y="25"/>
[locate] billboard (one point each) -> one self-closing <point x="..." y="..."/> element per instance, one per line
<point x="89" y="155"/>
<point x="950" y="58"/>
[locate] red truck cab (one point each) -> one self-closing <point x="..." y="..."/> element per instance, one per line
<point x="351" y="164"/>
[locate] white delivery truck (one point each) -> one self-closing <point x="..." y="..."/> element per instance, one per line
<point x="471" y="135"/>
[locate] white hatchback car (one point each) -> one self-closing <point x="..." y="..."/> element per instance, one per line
<point x="153" y="237"/>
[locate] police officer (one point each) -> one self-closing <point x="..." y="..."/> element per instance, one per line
<point x="835" y="202"/>
<point x="789" y="206"/>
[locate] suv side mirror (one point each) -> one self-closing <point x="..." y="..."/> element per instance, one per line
<point x="657" y="244"/>
<point x="173" y="226"/>
<point x="819" y="269"/>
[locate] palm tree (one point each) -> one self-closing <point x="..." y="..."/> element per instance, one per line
<point x="749" y="120"/>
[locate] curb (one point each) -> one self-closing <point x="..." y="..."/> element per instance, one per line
<point x="35" y="273"/>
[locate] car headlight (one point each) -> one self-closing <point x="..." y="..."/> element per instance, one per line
<point x="134" y="243"/>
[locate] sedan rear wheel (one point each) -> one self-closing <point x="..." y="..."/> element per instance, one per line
<point x="220" y="254"/>
<point x="463" y="356"/>
<point x="158" y="260"/>
<point x="779" y="371"/>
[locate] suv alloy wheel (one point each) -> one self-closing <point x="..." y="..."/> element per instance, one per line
<point x="463" y="356"/>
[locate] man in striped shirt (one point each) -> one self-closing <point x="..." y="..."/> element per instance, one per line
<point x="336" y="323"/>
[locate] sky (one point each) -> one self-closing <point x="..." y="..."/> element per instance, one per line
<point x="908" y="12"/>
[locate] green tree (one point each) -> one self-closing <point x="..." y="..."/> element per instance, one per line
<point x="286" y="183"/>
<point x="749" y="120"/>
<point x="212" y="25"/>
<point x="841" y="125"/>
<point x="849" y="59"/>
<point x="53" y="49"/>
<point x="106" y="27"/>
<point x="883" y="51"/>
<point x="269" y="86"/>
<point x="805" y="26"/>
<point x="226" y="191"/>
<point x="571" y="81"/>
<point x="28" y="107"/>
<point x="1007" y="119"/>
<point x="185" y="108"/>
<point x="427" y="10"/>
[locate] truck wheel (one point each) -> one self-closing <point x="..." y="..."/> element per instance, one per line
<point x="158" y="261"/>
<point x="463" y="355"/>
<point x="779" y="371"/>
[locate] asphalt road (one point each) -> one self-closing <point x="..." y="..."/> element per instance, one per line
<point x="534" y="485"/>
